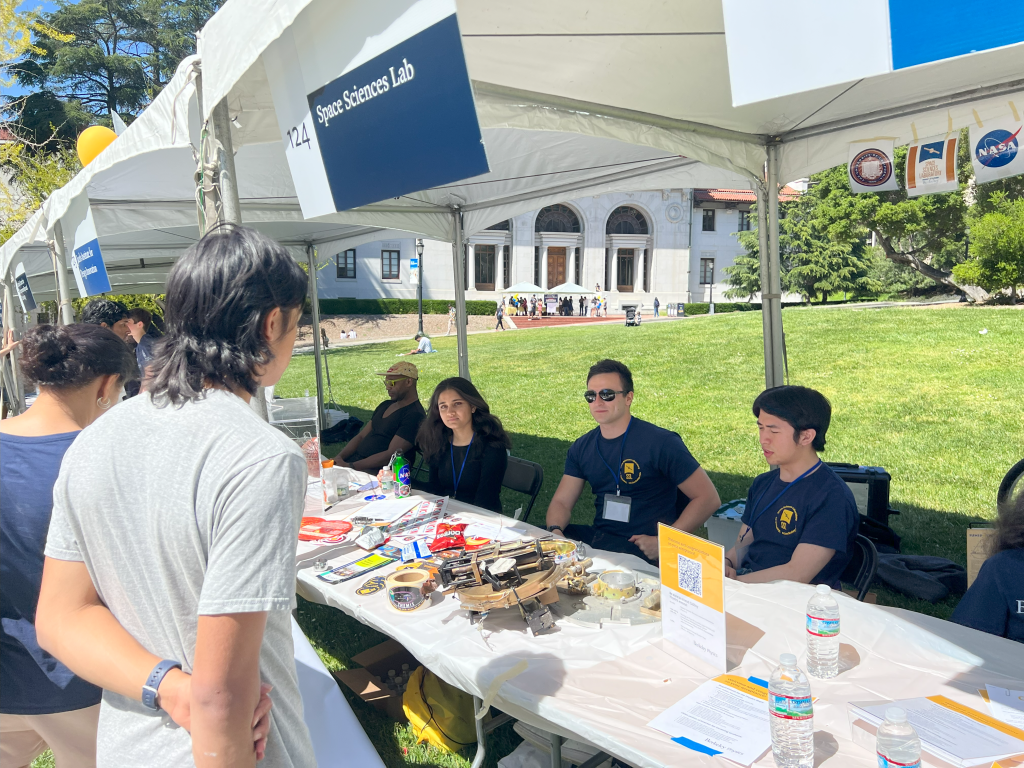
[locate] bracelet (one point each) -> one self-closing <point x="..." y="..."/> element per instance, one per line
<point x="730" y="563"/>
<point x="551" y="529"/>
<point x="152" y="684"/>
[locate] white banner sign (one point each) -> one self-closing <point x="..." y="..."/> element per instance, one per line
<point x="871" y="168"/>
<point x="995" y="150"/>
<point x="86" y="258"/>
<point x="931" y="165"/>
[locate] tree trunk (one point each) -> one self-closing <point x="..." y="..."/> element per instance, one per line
<point x="973" y="292"/>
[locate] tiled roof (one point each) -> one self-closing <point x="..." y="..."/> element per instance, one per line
<point x="6" y="135"/>
<point x="739" y="195"/>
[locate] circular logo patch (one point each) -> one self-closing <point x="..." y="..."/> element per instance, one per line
<point x="629" y="471"/>
<point x="785" y="521"/>
<point x="371" y="586"/>
<point x="871" y="168"/>
<point x="997" y="148"/>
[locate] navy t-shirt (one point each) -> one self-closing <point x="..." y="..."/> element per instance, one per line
<point x="995" y="601"/>
<point x="654" y="462"/>
<point x="820" y="509"/>
<point x="32" y="682"/>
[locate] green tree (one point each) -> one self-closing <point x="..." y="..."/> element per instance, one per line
<point x="32" y="176"/>
<point x="996" y="248"/>
<point x="744" y="276"/>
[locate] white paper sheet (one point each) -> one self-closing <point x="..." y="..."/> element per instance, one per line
<point x="388" y="510"/>
<point x="1006" y="705"/>
<point x="719" y="718"/>
<point x="493" y="532"/>
<point x="943" y="730"/>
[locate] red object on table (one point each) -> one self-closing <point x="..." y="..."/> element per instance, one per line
<point x="316" y="528"/>
<point x="449" y="536"/>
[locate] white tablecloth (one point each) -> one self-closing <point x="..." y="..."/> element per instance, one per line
<point x="604" y="685"/>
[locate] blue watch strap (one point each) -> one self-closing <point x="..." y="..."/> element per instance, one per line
<point x="152" y="684"/>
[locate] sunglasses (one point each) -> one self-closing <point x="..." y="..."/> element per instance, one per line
<point x="389" y="383"/>
<point x="605" y="394"/>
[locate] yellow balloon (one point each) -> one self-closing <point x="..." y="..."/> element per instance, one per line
<point x="92" y="141"/>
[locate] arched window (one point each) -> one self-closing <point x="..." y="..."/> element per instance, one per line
<point x="626" y="221"/>
<point x="557" y="218"/>
<point x="501" y="226"/>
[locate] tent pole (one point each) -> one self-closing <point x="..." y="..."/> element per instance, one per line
<point x="774" y="267"/>
<point x="15" y="388"/>
<point x="314" y="303"/>
<point x="763" y="257"/>
<point x="231" y="210"/>
<point x="64" y="308"/>
<point x="458" y="260"/>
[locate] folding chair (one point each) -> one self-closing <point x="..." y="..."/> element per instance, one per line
<point x="524" y="477"/>
<point x="860" y="571"/>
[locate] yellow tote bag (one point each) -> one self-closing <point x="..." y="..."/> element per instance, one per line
<point x="440" y="714"/>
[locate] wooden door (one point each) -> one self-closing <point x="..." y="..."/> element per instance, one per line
<point x="556" y="267"/>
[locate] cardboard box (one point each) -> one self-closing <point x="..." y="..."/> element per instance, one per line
<point x="977" y="551"/>
<point x="368" y="682"/>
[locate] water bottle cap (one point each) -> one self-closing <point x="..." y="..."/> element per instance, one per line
<point x="787" y="660"/>
<point x="824" y="589"/>
<point x="895" y="715"/>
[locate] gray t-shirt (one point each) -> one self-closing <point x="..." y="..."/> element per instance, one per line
<point x="177" y="513"/>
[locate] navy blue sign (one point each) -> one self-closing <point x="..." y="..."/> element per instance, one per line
<point x="402" y="122"/>
<point x="90" y="270"/>
<point x="28" y="301"/>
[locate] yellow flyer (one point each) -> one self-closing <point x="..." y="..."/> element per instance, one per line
<point x="692" y="594"/>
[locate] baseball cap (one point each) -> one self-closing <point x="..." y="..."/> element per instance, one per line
<point x="402" y="369"/>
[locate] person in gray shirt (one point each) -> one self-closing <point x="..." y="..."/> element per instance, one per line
<point x="168" y="580"/>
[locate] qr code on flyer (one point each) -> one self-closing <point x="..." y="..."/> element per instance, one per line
<point x="689" y="576"/>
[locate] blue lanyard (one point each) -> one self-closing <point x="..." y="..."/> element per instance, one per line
<point x="622" y="447"/>
<point x="463" y="467"/>
<point x="770" y="504"/>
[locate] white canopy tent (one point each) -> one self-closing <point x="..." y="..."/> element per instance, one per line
<point x="656" y="76"/>
<point x="571" y="289"/>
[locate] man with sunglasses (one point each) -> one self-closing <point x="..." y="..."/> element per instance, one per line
<point x="641" y="474"/>
<point x="392" y="428"/>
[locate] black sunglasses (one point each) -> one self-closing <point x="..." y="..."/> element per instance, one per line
<point x="605" y="394"/>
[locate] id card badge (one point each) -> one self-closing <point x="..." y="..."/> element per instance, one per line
<point x="616" y="508"/>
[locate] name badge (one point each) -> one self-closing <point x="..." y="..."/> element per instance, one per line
<point x="616" y="508"/>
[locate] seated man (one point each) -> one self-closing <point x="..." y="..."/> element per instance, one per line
<point x="636" y="471"/>
<point x="392" y="428"/>
<point x="801" y="520"/>
<point x="424" y="347"/>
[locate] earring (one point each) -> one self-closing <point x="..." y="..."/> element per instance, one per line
<point x="103" y="402"/>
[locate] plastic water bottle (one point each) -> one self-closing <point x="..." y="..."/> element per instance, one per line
<point x="823" y="634"/>
<point x="791" y="714"/>
<point x="898" y="745"/>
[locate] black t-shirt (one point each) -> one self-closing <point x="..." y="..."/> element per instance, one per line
<point x="995" y="601"/>
<point x="820" y="509"/>
<point x="654" y="461"/>
<point x="480" y="479"/>
<point x="404" y="423"/>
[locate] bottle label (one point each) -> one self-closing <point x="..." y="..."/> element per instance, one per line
<point x="884" y="762"/>
<point x="790" y="707"/>
<point x="822" y="627"/>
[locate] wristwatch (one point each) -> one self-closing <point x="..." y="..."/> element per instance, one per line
<point x="551" y="529"/>
<point x="152" y="685"/>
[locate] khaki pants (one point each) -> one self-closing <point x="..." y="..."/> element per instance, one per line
<point x="71" y="736"/>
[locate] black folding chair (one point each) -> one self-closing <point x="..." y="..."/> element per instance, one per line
<point x="524" y="477"/>
<point x="860" y="571"/>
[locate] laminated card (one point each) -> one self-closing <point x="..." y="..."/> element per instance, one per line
<point x="692" y="594"/>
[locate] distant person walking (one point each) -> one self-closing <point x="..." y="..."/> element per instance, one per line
<point x="657" y="306"/>
<point x="451" y="319"/>
<point x="583" y="306"/>
<point x="500" y="316"/>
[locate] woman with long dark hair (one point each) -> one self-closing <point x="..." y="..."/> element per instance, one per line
<point x="170" y="560"/>
<point x="464" y="445"/>
<point x="994" y="602"/>
<point x="80" y="370"/>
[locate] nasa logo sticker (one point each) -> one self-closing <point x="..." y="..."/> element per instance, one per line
<point x="871" y="167"/>
<point x="371" y="586"/>
<point x="785" y="521"/>
<point x="997" y="148"/>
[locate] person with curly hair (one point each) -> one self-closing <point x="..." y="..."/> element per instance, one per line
<point x="169" y="579"/>
<point x="995" y="601"/>
<point x="464" y="444"/>
<point x="107" y="313"/>
<point x="79" y="370"/>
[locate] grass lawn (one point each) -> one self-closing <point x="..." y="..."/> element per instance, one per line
<point x="919" y="392"/>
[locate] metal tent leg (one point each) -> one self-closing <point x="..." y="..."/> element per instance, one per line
<point x="556" y="750"/>
<point x="482" y="729"/>
<point x="459" y="258"/>
<point x="314" y="304"/>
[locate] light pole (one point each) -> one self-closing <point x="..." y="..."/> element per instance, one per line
<point x="419" y="285"/>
